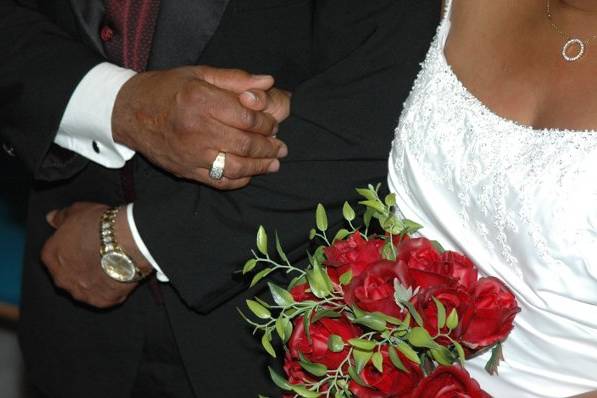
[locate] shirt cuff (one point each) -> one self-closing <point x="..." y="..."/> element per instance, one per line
<point x="86" y="126"/>
<point x="141" y="245"/>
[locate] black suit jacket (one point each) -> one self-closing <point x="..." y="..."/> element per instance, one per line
<point x="350" y="65"/>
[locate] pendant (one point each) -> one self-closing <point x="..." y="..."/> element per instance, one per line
<point x="579" y="52"/>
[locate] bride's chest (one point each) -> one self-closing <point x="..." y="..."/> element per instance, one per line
<point x="529" y="195"/>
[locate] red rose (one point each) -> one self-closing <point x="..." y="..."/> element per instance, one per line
<point x="389" y="384"/>
<point x="452" y="298"/>
<point x="317" y="350"/>
<point x="449" y="382"/>
<point x="460" y="268"/>
<point x="495" y="307"/>
<point x="373" y="290"/>
<point x="353" y="254"/>
<point x="296" y="374"/>
<point x="302" y="293"/>
<point x="424" y="263"/>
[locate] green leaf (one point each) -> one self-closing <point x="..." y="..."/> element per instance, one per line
<point x="321" y="218"/>
<point x="319" y="281"/>
<point x="375" y="205"/>
<point x="260" y="275"/>
<point x="281" y="296"/>
<point x="368" y="216"/>
<point x="346" y="278"/>
<point x="377" y="360"/>
<point x="299" y="280"/>
<point x="497" y="355"/>
<point x="410" y="227"/>
<point x="390" y="200"/>
<point x="363" y="344"/>
<point x="415" y="314"/>
<point x="315" y="369"/>
<point x="325" y="314"/>
<point x="442" y="355"/>
<point x="307" y="325"/>
<point x="249" y="266"/>
<point x="263" y="303"/>
<point x="460" y="352"/>
<point x="396" y="361"/>
<point x="278" y="380"/>
<point x="267" y="344"/>
<point x="312" y="233"/>
<point x="339" y="394"/>
<point x="354" y="375"/>
<point x="262" y="240"/>
<point x="452" y="321"/>
<point x="390" y="319"/>
<point x="259" y="310"/>
<point x="402" y="294"/>
<point x="280" y="250"/>
<point x="341" y="234"/>
<point x="409" y="352"/>
<point x="441" y="314"/>
<point x="438" y="246"/>
<point x="303" y="392"/>
<point x="282" y="328"/>
<point x="335" y="343"/>
<point x="361" y="359"/>
<point x="372" y="321"/>
<point x="348" y="212"/>
<point x="420" y="337"/>
<point x="388" y="251"/>
<point x="367" y="193"/>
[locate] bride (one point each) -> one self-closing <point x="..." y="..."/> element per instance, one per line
<point x="496" y="155"/>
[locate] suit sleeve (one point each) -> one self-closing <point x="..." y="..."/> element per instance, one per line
<point x="40" y="68"/>
<point x="339" y="138"/>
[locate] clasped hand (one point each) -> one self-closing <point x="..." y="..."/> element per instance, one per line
<point x="180" y="119"/>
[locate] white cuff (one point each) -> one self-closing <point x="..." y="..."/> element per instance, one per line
<point x="141" y="245"/>
<point x="86" y="126"/>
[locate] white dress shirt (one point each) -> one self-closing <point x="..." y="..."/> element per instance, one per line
<point x="86" y="129"/>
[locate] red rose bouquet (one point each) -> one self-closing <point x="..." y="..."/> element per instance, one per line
<point x="379" y="315"/>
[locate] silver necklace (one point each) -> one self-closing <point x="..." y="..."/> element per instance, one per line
<point x="576" y="44"/>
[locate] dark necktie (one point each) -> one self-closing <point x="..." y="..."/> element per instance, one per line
<point x="127" y="35"/>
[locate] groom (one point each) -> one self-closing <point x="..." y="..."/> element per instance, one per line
<point x="349" y="65"/>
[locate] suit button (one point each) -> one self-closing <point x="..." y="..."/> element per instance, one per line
<point x="9" y="150"/>
<point x="106" y="33"/>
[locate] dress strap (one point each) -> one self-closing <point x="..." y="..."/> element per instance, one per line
<point x="445" y="24"/>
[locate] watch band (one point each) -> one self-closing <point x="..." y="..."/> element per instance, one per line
<point x="109" y="246"/>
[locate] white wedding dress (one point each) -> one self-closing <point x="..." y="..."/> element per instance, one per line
<point x="522" y="204"/>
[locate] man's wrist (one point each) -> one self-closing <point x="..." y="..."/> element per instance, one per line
<point x="124" y="115"/>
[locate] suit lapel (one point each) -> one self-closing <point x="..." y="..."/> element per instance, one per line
<point x="184" y="28"/>
<point x="89" y="15"/>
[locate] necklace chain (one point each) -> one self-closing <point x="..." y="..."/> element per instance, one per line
<point x="560" y="31"/>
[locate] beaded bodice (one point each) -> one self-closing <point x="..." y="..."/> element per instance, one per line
<point x="522" y="203"/>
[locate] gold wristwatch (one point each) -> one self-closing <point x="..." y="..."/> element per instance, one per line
<point x="114" y="261"/>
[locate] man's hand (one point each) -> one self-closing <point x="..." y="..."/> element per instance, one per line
<point x="180" y="119"/>
<point x="72" y="255"/>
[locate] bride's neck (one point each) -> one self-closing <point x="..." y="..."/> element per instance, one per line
<point x="588" y="6"/>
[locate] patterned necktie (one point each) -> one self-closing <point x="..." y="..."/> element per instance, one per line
<point x="127" y="35"/>
<point x="128" y="32"/>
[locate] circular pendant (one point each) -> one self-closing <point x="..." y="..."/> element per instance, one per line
<point x="580" y="50"/>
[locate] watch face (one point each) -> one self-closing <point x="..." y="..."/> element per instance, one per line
<point x="118" y="266"/>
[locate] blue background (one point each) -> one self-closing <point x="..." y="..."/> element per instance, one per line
<point x="14" y="185"/>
